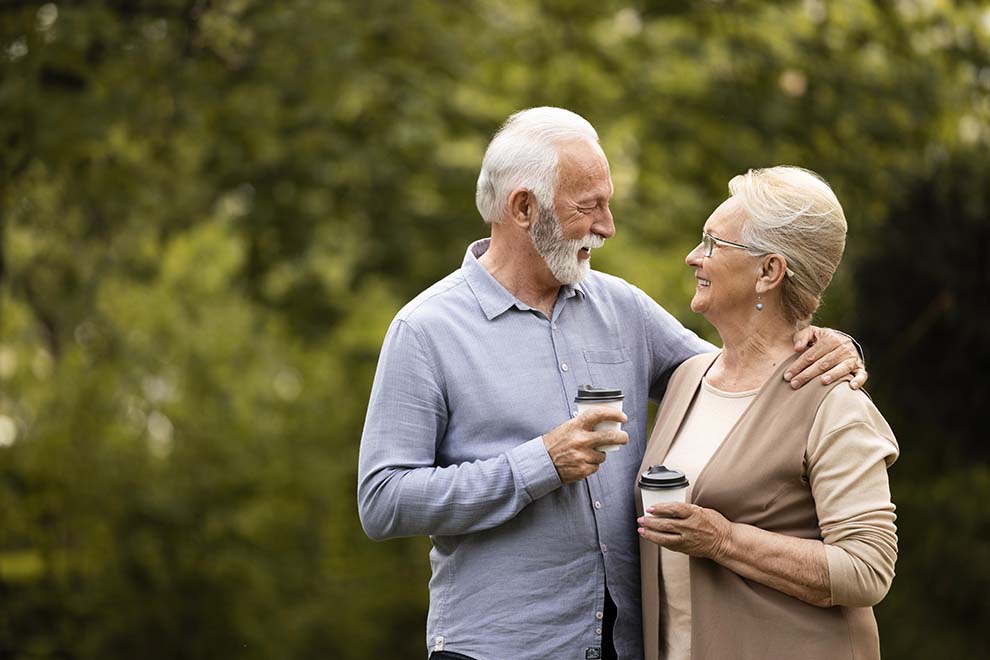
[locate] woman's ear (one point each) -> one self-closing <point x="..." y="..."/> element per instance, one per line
<point x="522" y="208"/>
<point x="772" y="273"/>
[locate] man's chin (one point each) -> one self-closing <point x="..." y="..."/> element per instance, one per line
<point x="574" y="275"/>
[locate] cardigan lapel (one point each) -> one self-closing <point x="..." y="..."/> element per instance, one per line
<point x="680" y="393"/>
<point x="773" y="385"/>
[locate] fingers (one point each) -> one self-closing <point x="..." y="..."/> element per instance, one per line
<point x="662" y="531"/>
<point x="579" y="470"/>
<point x="608" y="437"/>
<point x="572" y="448"/>
<point x="859" y="378"/>
<point x="809" y="373"/>
<point x="830" y="341"/>
<point x="827" y="344"/>
<point x="598" y="414"/>
<point x="809" y="353"/>
<point x="665" y="532"/>
<point x="806" y="367"/>
<point x="588" y="463"/>
<point x="820" y="359"/>
<point x="844" y="368"/>
<point x="671" y="510"/>
<point x="804" y="337"/>
<point x="577" y="458"/>
<point x="596" y="458"/>
<point x="594" y="439"/>
<point x="662" y="539"/>
<point x="663" y="525"/>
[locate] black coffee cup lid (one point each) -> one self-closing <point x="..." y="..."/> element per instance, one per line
<point x="589" y="393"/>
<point x="658" y="477"/>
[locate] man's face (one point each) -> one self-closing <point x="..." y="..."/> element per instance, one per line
<point x="581" y="219"/>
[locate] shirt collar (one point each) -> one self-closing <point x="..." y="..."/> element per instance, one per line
<point x="492" y="296"/>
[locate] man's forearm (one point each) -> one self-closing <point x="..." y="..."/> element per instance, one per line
<point x="396" y="501"/>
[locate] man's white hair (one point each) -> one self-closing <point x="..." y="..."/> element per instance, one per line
<point x="524" y="154"/>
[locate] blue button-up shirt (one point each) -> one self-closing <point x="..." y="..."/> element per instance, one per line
<point x="468" y="380"/>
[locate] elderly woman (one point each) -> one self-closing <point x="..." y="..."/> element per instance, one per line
<point x="787" y="537"/>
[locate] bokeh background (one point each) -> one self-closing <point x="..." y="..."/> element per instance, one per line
<point x="211" y="210"/>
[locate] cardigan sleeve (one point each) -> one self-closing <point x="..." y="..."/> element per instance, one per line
<point x="849" y="450"/>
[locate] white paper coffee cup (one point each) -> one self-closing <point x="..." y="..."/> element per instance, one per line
<point x="589" y="397"/>
<point x="660" y="484"/>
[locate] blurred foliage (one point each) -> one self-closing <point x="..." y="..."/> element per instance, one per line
<point x="211" y="210"/>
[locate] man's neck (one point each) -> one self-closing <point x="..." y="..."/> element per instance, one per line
<point x="523" y="273"/>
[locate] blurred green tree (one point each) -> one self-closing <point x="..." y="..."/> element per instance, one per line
<point x="209" y="212"/>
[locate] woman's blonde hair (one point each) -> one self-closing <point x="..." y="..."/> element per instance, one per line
<point x="793" y="212"/>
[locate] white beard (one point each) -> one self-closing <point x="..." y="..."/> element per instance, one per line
<point x="559" y="253"/>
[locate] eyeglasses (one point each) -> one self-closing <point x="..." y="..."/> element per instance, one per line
<point x="708" y="243"/>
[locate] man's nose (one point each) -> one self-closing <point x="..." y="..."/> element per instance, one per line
<point x="604" y="226"/>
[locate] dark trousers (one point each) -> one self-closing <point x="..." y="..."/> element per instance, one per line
<point x="608" y="624"/>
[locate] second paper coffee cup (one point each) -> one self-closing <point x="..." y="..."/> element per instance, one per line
<point x="661" y="484"/>
<point x="589" y="397"/>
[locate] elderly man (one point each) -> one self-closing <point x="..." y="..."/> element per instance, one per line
<point x="472" y="436"/>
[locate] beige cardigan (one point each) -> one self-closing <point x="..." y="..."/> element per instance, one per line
<point x="755" y="477"/>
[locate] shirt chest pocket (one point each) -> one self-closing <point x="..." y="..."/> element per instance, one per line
<point x="609" y="368"/>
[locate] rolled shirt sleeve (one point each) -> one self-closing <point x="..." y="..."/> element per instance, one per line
<point x="849" y="450"/>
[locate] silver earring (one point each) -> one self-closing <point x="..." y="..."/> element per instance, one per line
<point x="759" y="302"/>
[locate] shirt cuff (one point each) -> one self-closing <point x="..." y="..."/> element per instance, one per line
<point x="532" y="465"/>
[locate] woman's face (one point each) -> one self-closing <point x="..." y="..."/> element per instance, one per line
<point x="726" y="281"/>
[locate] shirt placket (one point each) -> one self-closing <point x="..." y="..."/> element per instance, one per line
<point x="571" y="367"/>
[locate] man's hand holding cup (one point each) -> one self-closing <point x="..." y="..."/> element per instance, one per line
<point x="572" y="444"/>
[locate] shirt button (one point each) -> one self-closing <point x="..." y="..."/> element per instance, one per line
<point x="573" y="413"/>
<point x="563" y="366"/>
<point x="598" y="631"/>
<point x="598" y="504"/>
<point x="554" y="326"/>
<point x="599" y="616"/>
<point x="604" y="548"/>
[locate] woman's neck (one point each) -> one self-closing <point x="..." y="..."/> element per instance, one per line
<point x="751" y="352"/>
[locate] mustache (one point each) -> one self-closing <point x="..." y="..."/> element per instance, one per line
<point x="593" y="241"/>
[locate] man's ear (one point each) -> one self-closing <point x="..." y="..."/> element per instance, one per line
<point x="522" y="208"/>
